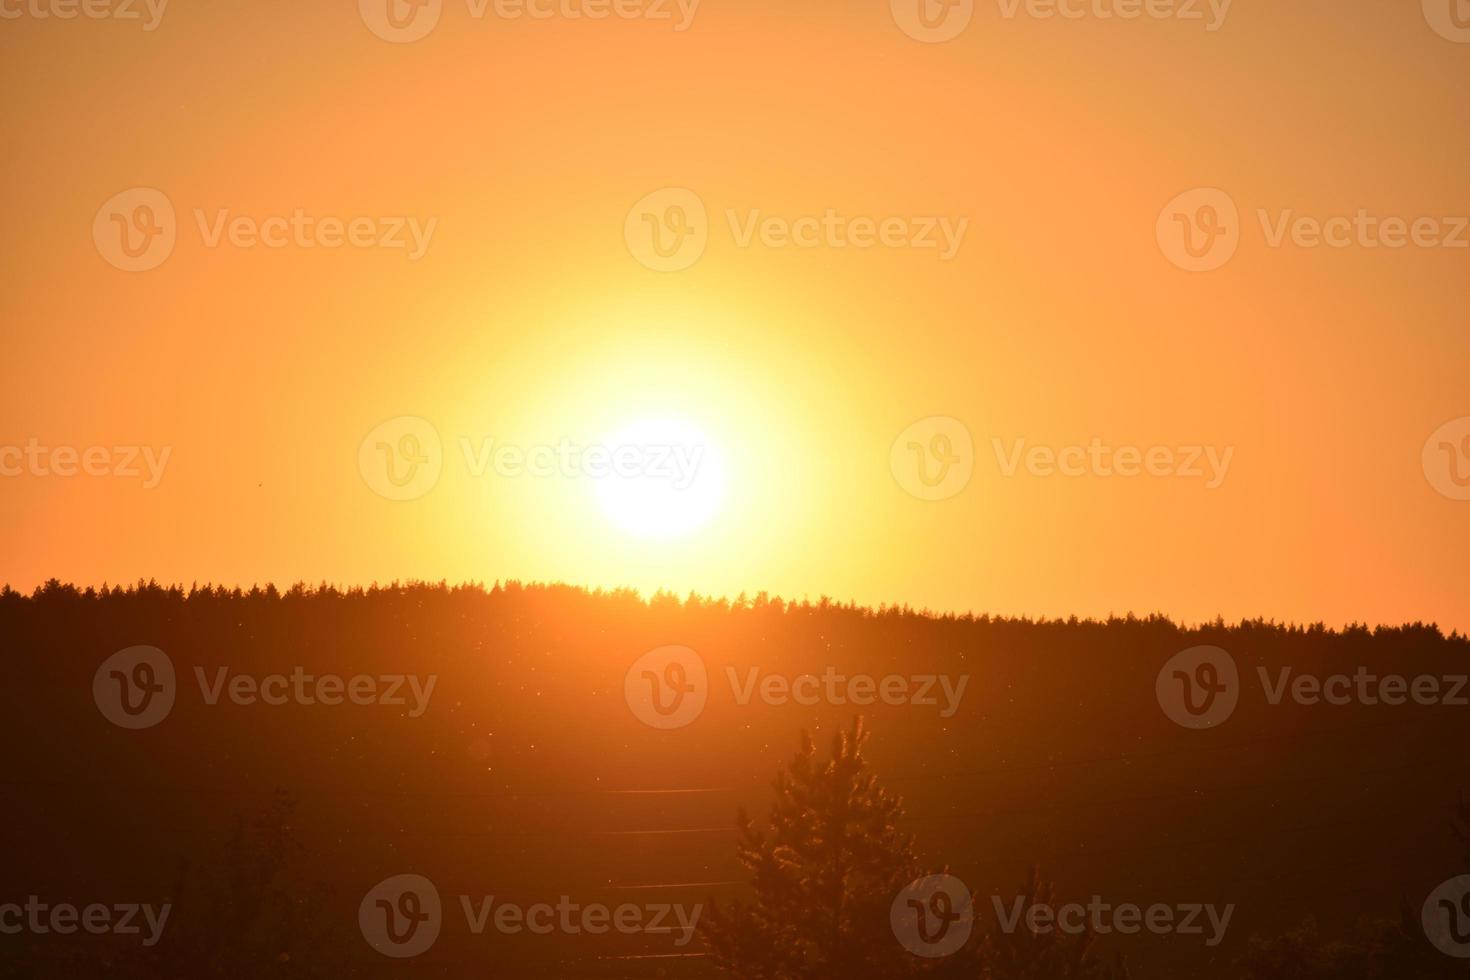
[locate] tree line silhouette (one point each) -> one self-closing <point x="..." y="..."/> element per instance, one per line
<point x="529" y="776"/>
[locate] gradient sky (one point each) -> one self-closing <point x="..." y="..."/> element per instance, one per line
<point x="531" y="320"/>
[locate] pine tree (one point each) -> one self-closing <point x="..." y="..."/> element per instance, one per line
<point x="826" y="871"/>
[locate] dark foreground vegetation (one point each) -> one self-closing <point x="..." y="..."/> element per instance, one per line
<point x="525" y="776"/>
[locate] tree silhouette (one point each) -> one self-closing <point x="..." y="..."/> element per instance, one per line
<point x="825" y="873"/>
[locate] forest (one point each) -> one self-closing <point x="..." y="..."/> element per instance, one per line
<point x="461" y="781"/>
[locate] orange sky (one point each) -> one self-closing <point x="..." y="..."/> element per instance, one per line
<point x="532" y="317"/>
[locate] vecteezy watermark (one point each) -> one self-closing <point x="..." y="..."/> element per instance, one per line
<point x="136" y="688"/>
<point x="1201" y="230"/>
<point x="403" y="458"/>
<point x="668" y="230"/>
<point x="678" y="463"/>
<point x="1101" y="918"/>
<point x="933" y="21"/>
<point x="1201" y="688"/>
<point x="117" y="462"/>
<point x="148" y="13"/>
<point x="934" y="458"/>
<point x="1450" y="19"/>
<point x="1211" y="13"/>
<point x="933" y="916"/>
<point x="936" y="21"/>
<point x="1362" y="230"/>
<point x="669" y="687"/>
<point x="64" y="919"/>
<point x="137" y="230"/>
<point x="1096" y="459"/>
<point x="403" y="916"/>
<point x="406" y="21"/>
<point x="1446" y="459"/>
<point x="1446" y="917"/>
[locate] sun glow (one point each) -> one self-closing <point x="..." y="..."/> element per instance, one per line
<point x="667" y="479"/>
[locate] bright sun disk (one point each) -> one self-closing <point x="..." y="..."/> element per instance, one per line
<point x="668" y="479"/>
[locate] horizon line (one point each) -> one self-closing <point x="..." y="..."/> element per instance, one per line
<point x="762" y="600"/>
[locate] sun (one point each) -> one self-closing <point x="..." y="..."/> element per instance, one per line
<point x="666" y="479"/>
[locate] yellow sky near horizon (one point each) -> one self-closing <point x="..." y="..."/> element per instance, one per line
<point x="533" y="318"/>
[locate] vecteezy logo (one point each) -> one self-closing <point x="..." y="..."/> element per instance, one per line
<point x="1446" y="917"/>
<point x="401" y="21"/>
<point x="1199" y="230"/>
<point x="667" y="231"/>
<point x="933" y="21"/>
<point x="934" y="458"/>
<point x="135" y="688"/>
<point x="402" y="458"/>
<point x="667" y="688"/>
<point x="933" y="916"/>
<point x="1446" y="459"/>
<point x="1199" y="687"/>
<point x="401" y="916"/>
<point x="1449" y="18"/>
<point x="135" y="231"/>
